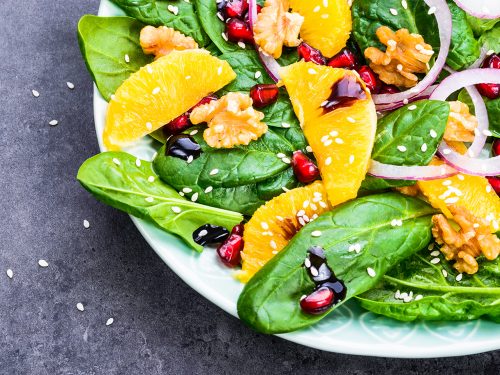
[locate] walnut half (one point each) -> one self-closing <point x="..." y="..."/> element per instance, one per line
<point x="405" y="55"/>
<point x="464" y="246"/>
<point x="461" y="124"/>
<point x="160" y="41"/>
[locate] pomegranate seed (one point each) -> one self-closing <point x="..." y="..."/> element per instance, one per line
<point x="238" y="229"/>
<point x="490" y="90"/>
<point x="309" y="53"/>
<point x="371" y="80"/>
<point x="344" y="59"/>
<point x="264" y="95"/>
<point x="304" y="168"/>
<point x="177" y="125"/>
<point x="229" y="251"/>
<point x="235" y="8"/>
<point x="238" y="30"/>
<point x="496" y="147"/>
<point x="495" y="184"/>
<point x="389" y="89"/>
<point x="318" y="301"/>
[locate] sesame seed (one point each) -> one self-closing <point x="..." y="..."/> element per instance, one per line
<point x="53" y="122"/>
<point x="187" y="190"/>
<point x="181" y="193"/>
<point x="286" y="160"/>
<point x="273" y="245"/>
<point x="242" y="45"/>
<point x="447" y="183"/>
<point x="301" y="213"/>
<point x="10" y="273"/>
<point x="393" y="11"/>
<point x="43" y="263"/>
<point x="109" y="321"/>
<point x="399" y="67"/>
<point x="404" y="4"/>
<point x="194" y="132"/>
<point x="334" y="133"/>
<point x="35" y="93"/>
<point x="221" y="17"/>
<point x="280" y="218"/>
<point x="151" y="179"/>
<point x="264" y="225"/>
<point x="401" y="148"/>
<point x="176" y="210"/>
<point x="214" y="172"/>
<point x="116" y="161"/>
<point x="391" y="43"/>
<point x="328" y="142"/>
<point x="280" y="155"/>
<point x="301" y="221"/>
<point x="190" y="159"/>
<point x="156" y="90"/>
<point x="339" y="141"/>
<point x="351" y="159"/>
<point x="203" y="233"/>
<point x="322" y="204"/>
<point x="188" y="77"/>
<point x="418" y="297"/>
<point x="314" y="271"/>
<point x="419" y="47"/>
<point x="312" y="71"/>
<point x="285" y="125"/>
<point x="451" y="200"/>
<point x="316" y="9"/>
<point x="405" y="101"/>
<point x="325" y="138"/>
<point x="149" y="199"/>
<point x="412" y="107"/>
<point x="80" y="307"/>
<point x="325" y="16"/>
<point x="194" y="198"/>
<point x="488" y="188"/>
<point x="149" y="69"/>
<point x="356" y="247"/>
<point x="325" y="3"/>
<point x="433" y="133"/>
<point x="138" y="162"/>
<point x="285" y="189"/>
<point x="149" y="125"/>
<point x="86" y="224"/>
<point x="351" y="120"/>
<point x="432" y="10"/>
<point x="460" y="177"/>
<point x="328" y="161"/>
<point x="309" y="148"/>
<point x="316" y="233"/>
<point x="208" y="189"/>
<point x="305" y="204"/>
<point x="371" y="272"/>
<point x="435" y="253"/>
<point x="435" y="260"/>
<point x="307" y="262"/>
<point x="444" y="272"/>
<point x="397" y="294"/>
<point x="431" y="246"/>
<point x="423" y="148"/>
<point x="127" y="58"/>
<point x="219" y="69"/>
<point x="173" y="9"/>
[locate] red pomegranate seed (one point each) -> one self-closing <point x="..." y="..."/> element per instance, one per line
<point x="177" y="125"/>
<point x="309" y="53"/>
<point x="235" y="8"/>
<point x="495" y="148"/>
<point x="229" y="251"/>
<point x="238" y="229"/>
<point x="304" y="168"/>
<point x="264" y="95"/>
<point x="371" y="80"/>
<point x="495" y="184"/>
<point x="389" y="89"/>
<point x="344" y="59"/>
<point x="490" y="90"/>
<point x="238" y="30"/>
<point x="318" y="301"/>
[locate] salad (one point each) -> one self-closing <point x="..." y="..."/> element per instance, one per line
<point x="328" y="149"/>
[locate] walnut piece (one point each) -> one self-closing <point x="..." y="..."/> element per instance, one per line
<point x="464" y="246"/>
<point x="160" y="41"/>
<point x="232" y="121"/>
<point x="461" y="124"/>
<point x="405" y="55"/>
<point x="275" y="27"/>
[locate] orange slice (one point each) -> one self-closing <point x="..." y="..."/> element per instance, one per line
<point x="342" y="140"/>
<point x="160" y="92"/>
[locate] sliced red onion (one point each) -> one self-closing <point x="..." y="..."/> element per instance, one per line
<point x="414" y="173"/>
<point x="270" y="64"/>
<point x="469" y="78"/>
<point x="479" y="61"/>
<point x="423" y="95"/>
<point x="443" y="17"/>
<point x="489" y="9"/>
<point x="467" y="165"/>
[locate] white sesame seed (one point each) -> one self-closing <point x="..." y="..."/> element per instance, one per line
<point x="418" y="297"/>
<point x="309" y="148"/>
<point x="419" y="47"/>
<point x="208" y="189"/>
<point x="53" y="122"/>
<point x="221" y="17"/>
<point x="446" y="183"/>
<point x="181" y="193"/>
<point x="214" y="172"/>
<point x="392" y="43"/>
<point x="86" y="224"/>
<point x="273" y="245"/>
<point x="80" y="307"/>
<point x="431" y="246"/>
<point x="460" y="177"/>
<point x="317" y="9"/>
<point x="405" y="101"/>
<point x="325" y="3"/>
<point x="286" y="160"/>
<point x="459" y="277"/>
<point x="401" y="148"/>
<point x="280" y="155"/>
<point x="328" y="160"/>
<point x="258" y="74"/>
<point x="328" y="142"/>
<point x="423" y="148"/>
<point x="173" y="9"/>
<point x="339" y="141"/>
<point x="397" y="295"/>
<point x="138" y="162"/>
<point x="488" y="188"/>
<point x="187" y="190"/>
<point x="301" y="213"/>
<point x="307" y="262"/>
<point x="127" y="58"/>
<point x="351" y="120"/>
<point x="285" y="189"/>
<point x="355" y="247"/>
<point x="312" y="71"/>
<point x="109" y="321"/>
<point x="43" y="263"/>
<point x="203" y="233"/>
<point x="393" y="11"/>
<point x="444" y="272"/>
<point x="435" y="260"/>
<point x="156" y="90"/>
<point x="190" y="159"/>
<point x="324" y="138"/>
<point x="149" y="69"/>
<point x="149" y="199"/>
<point x="371" y="272"/>
<point x="188" y="77"/>
<point x="194" y="198"/>
<point x="10" y="273"/>
<point x="399" y="67"/>
<point x="316" y="233"/>
<point x="176" y="210"/>
<point x="219" y="69"/>
<point x="404" y="4"/>
<point x="432" y="10"/>
<point x="151" y="179"/>
<point x="194" y="132"/>
<point x="242" y="45"/>
<point x="314" y="271"/>
<point x="412" y="107"/>
<point x="35" y="93"/>
<point x="149" y="125"/>
<point x="264" y="225"/>
<point x="116" y="161"/>
<point x="285" y="125"/>
<point x="351" y="159"/>
<point x="451" y="200"/>
<point x="325" y="16"/>
<point x="433" y="133"/>
<point x="435" y="253"/>
<point x="305" y="204"/>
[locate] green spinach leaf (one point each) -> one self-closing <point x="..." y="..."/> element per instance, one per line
<point x="104" y="42"/>
<point x="440" y="297"/>
<point x="491" y="39"/>
<point x="269" y="303"/>
<point x="247" y="176"/>
<point x="114" y="178"/>
<point x="492" y="106"/>
<point x="157" y="13"/>
<point x="411" y="129"/>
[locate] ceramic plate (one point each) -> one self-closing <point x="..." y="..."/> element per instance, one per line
<point x="348" y="330"/>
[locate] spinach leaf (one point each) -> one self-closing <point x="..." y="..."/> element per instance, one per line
<point x="156" y="13"/>
<point x="444" y="298"/>
<point x="491" y="39"/>
<point x="247" y="176"/>
<point x="411" y="129"/>
<point x="115" y="179"/>
<point x="479" y="26"/>
<point x="104" y="42"/>
<point x="369" y="15"/>
<point x="492" y="106"/>
<point x="269" y="303"/>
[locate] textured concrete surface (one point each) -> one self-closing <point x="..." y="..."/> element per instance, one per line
<point x="160" y="325"/>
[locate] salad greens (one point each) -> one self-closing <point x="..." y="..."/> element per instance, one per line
<point x="120" y="181"/>
<point x="410" y="126"/>
<point x="269" y="302"/>
<point x="104" y="42"/>
<point x="247" y="176"/>
<point x="442" y="297"/>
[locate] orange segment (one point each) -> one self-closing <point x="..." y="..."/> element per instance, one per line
<point x="275" y="223"/>
<point x="160" y="92"/>
<point x="341" y="140"/>
<point x="327" y="23"/>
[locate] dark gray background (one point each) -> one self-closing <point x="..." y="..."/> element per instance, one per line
<point x="161" y="325"/>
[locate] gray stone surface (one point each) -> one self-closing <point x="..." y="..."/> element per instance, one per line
<point x="160" y="325"/>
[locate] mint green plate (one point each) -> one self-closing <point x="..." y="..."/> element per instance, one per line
<point x="348" y="330"/>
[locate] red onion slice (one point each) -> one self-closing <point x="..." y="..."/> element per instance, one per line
<point x="489" y="9"/>
<point x="423" y="95"/>
<point x="480" y="59"/>
<point x="270" y="64"/>
<point x="414" y="173"/>
<point x="443" y="17"/>
<point x="467" y="165"/>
